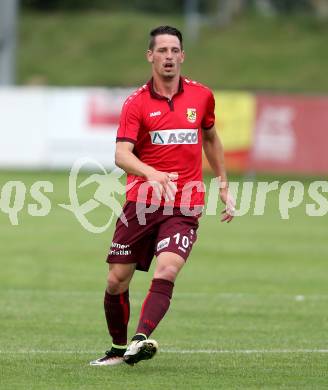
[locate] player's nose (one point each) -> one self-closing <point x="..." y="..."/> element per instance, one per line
<point x="169" y="55"/>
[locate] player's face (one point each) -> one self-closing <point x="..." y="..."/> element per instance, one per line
<point x="166" y="57"/>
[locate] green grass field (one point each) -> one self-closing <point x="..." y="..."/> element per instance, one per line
<point x="249" y="309"/>
<point x="108" y="49"/>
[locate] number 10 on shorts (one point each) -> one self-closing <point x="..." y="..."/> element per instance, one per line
<point x="182" y="242"/>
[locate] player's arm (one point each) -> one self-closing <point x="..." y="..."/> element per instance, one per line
<point x="213" y="149"/>
<point x="130" y="163"/>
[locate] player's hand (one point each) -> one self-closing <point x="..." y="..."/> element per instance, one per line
<point x="163" y="184"/>
<point x="228" y="212"/>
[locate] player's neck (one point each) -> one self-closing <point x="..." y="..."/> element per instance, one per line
<point x="166" y="87"/>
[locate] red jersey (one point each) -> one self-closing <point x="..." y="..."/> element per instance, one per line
<point x="167" y="135"/>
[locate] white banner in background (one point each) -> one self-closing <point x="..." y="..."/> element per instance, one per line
<point x="52" y="127"/>
<point x="22" y="127"/>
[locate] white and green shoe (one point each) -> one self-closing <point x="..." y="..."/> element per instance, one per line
<point x="140" y="350"/>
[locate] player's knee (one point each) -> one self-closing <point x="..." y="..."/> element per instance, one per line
<point x="168" y="272"/>
<point x="116" y="284"/>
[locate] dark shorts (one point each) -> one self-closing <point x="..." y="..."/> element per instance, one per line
<point x="150" y="234"/>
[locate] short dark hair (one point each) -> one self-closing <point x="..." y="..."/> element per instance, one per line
<point x="164" y="30"/>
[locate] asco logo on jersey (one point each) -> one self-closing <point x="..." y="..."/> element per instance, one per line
<point x="174" y="137"/>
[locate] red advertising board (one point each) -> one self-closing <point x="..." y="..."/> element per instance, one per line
<point x="290" y="135"/>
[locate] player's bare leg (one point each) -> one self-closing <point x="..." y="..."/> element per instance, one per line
<point x="117" y="311"/>
<point x="168" y="266"/>
<point x="154" y="307"/>
<point x="119" y="277"/>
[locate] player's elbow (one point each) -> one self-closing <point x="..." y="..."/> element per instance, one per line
<point x="209" y="136"/>
<point x="123" y="154"/>
<point x="119" y="159"/>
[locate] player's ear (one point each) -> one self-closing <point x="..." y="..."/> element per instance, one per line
<point x="149" y="56"/>
<point x="182" y="56"/>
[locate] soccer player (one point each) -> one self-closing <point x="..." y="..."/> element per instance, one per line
<point x="163" y="127"/>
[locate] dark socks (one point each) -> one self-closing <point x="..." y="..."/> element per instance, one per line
<point x="117" y="311"/>
<point x="155" y="305"/>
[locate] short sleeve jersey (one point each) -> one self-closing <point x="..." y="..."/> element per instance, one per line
<point x="167" y="135"/>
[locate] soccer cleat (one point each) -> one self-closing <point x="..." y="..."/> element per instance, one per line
<point x="140" y="350"/>
<point x="112" y="357"/>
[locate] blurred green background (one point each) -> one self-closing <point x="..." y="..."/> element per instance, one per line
<point x="255" y="45"/>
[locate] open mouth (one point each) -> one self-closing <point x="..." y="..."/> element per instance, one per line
<point x="168" y="66"/>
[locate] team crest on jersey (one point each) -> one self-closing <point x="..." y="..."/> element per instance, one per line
<point x="191" y="115"/>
